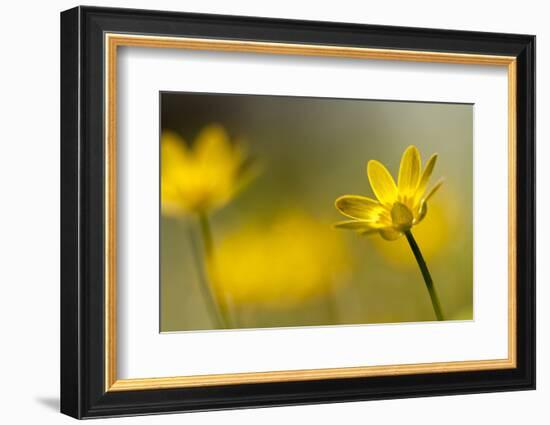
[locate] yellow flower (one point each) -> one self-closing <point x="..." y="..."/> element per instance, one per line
<point x="279" y="265"/>
<point x="398" y="206"/>
<point x="204" y="176"/>
<point x="433" y="235"/>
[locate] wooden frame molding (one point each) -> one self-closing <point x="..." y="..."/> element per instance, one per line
<point x="113" y="41"/>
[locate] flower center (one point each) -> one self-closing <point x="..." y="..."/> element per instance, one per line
<point x="402" y="217"/>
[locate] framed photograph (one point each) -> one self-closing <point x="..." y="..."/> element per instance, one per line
<point x="261" y="212"/>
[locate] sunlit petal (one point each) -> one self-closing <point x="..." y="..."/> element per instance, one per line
<point x="409" y="174"/>
<point x="213" y="146"/>
<point x="399" y="207"/>
<point x="432" y="191"/>
<point x="390" y="234"/>
<point x="174" y="158"/>
<point x="359" y="225"/>
<point x="402" y="217"/>
<point x="426" y="174"/>
<point x="421" y="212"/>
<point x="382" y="183"/>
<point x="368" y="232"/>
<point x="359" y="207"/>
<point x="173" y="151"/>
<point x="204" y="175"/>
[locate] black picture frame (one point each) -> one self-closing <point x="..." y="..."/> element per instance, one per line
<point x="83" y="392"/>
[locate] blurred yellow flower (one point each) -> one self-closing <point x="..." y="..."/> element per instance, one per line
<point x="399" y="206"/>
<point x="204" y="176"/>
<point x="293" y="259"/>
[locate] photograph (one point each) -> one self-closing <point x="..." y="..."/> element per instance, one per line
<point x="287" y="211"/>
<point x="284" y="210"/>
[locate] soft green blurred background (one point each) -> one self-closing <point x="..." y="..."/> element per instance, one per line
<point x="277" y="234"/>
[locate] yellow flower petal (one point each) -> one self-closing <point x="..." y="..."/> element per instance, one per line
<point x="390" y="234"/>
<point x="212" y="146"/>
<point x="359" y="225"/>
<point x="359" y="207"/>
<point x="400" y="206"/>
<point x="173" y="151"/>
<point x="382" y="183"/>
<point x="203" y="176"/>
<point x="433" y="190"/>
<point x="174" y="158"/>
<point x="368" y="232"/>
<point x="421" y="212"/>
<point x="402" y="217"/>
<point x="426" y="174"/>
<point x="409" y="174"/>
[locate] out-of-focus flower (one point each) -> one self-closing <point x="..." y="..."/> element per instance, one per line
<point x="293" y="259"/>
<point x="399" y="206"/>
<point x="204" y="176"/>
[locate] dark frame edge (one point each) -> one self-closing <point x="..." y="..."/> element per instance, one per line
<point x="71" y="350"/>
<point x="526" y="209"/>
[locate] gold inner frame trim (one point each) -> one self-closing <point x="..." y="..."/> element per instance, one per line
<point x="113" y="41"/>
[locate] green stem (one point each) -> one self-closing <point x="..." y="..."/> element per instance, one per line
<point x="204" y="285"/>
<point x="215" y="299"/>
<point x="425" y="274"/>
<point x="206" y="234"/>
